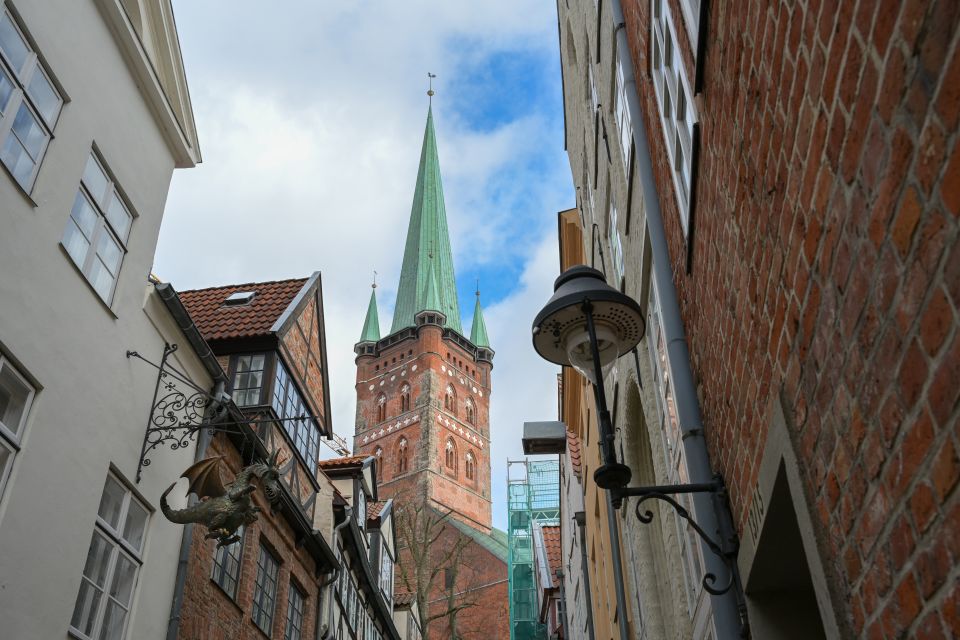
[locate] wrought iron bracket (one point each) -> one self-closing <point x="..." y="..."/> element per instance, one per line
<point x="725" y="546"/>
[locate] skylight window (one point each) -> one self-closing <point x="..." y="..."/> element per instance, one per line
<point x="239" y="298"/>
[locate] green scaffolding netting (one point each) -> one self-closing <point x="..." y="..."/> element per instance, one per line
<point x="533" y="494"/>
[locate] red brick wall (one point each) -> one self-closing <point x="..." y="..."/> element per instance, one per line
<point x="208" y="612"/>
<point x="825" y="270"/>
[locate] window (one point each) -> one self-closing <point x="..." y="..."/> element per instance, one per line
<point x="677" y="116"/>
<point x="470" y="465"/>
<point x="29" y="104"/>
<point x="381" y="408"/>
<point x="239" y="298"/>
<point x="451" y="455"/>
<point x="361" y="506"/>
<point x="113" y="561"/>
<point x="98" y="229"/>
<point x="289" y="404"/>
<point x="616" y="245"/>
<point x="386" y="574"/>
<point x="449" y="578"/>
<point x="16" y="396"/>
<point x="471" y="418"/>
<point x="402" y="456"/>
<point x="450" y="400"/>
<point x="226" y="565"/>
<point x="265" y="590"/>
<point x="295" y="602"/>
<point x="378" y="453"/>
<point x="405" y="398"/>
<point x="622" y="116"/>
<point x="248" y="380"/>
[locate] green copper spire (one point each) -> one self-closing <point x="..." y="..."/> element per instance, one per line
<point x="371" y="326"/>
<point x="478" y="333"/>
<point x="428" y="241"/>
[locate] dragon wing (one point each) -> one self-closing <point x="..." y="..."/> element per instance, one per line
<point x="204" y="477"/>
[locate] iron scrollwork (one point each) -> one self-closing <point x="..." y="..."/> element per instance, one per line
<point x="176" y="415"/>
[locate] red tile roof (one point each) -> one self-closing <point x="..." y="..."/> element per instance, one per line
<point x="374" y="509"/>
<point x="573" y="451"/>
<point x="403" y="599"/>
<point x="346" y="461"/>
<point x="218" y="322"/>
<point x="554" y="550"/>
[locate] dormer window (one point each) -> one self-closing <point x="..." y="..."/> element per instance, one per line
<point x="239" y="298"/>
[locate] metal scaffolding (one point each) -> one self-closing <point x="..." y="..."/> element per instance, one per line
<point x="533" y="491"/>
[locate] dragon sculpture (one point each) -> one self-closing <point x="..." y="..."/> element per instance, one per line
<point x="222" y="510"/>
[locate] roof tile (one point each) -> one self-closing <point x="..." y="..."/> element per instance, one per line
<point x="573" y="451"/>
<point x="345" y="461"/>
<point x="218" y="322"/>
<point x="554" y="550"/>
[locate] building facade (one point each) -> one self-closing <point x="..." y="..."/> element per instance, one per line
<point x="423" y="398"/>
<point x="95" y="117"/>
<point x="785" y="211"/>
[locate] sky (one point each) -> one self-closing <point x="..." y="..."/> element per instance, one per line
<point x="310" y="117"/>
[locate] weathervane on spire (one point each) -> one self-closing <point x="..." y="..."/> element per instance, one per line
<point x="478" y="287"/>
<point x="430" y="91"/>
<point x="374" y="285"/>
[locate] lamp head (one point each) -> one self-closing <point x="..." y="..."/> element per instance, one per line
<point x="560" y="329"/>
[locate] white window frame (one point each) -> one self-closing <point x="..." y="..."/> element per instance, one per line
<point x="621" y="115"/>
<point x="616" y="244"/>
<point x="119" y="545"/>
<point x="691" y="20"/>
<point x="12" y="435"/>
<point x="103" y="230"/>
<point x="672" y="89"/>
<point x="21" y="98"/>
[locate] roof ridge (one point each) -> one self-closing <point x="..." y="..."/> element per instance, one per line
<point x="245" y="284"/>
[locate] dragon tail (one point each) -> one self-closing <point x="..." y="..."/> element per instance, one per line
<point x="176" y="516"/>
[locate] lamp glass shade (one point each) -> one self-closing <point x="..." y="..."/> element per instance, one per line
<point x="581" y="356"/>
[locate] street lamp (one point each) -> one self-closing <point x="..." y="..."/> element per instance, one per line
<point x="587" y="324"/>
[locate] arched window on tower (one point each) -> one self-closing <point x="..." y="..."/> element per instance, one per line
<point x="378" y="452"/>
<point x="381" y="408"/>
<point x="451" y="456"/>
<point x="471" y="466"/>
<point x="405" y="398"/>
<point x="471" y="417"/>
<point x="402" y="453"/>
<point x="450" y="400"/>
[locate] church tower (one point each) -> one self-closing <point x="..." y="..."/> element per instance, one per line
<point x="423" y="390"/>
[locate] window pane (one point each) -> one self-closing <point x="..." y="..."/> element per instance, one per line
<point x="111" y="502"/>
<point x="109" y="252"/>
<point x="84" y="613"/>
<point x="14" y="397"/>
<point x="98" y="559"/>
<point x="6" y="90"/>
<point x="135" y="525"/>
<point x="84" y="215"/>
<point x="101" y="279"/>
<point x="113" y="621"/>
<point x="44" y="96"/>
<point x="6" y="461"/>
<point x="12" y="44"/>
<point x="18" y="161"/>
<point x="32" y="136"/>
<point x="123" y="577"/>
<point x="119" y="218"/>
<point x="95" y="179"/>
<point x="75" y="244"/>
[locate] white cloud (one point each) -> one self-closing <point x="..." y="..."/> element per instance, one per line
<point x="311" y="119"/>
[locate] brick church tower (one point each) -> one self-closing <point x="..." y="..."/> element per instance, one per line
<point x="423" y="390"/>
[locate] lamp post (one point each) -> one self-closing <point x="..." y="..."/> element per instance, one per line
<point x="587" y="325"/>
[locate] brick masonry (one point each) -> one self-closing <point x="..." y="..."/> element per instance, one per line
<point x="208" y="612"/>
<point x="825" y="271"/>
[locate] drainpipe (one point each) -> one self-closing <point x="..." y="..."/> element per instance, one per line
<point x="323" y="630"/>
<point x="183" y="560"/>
<point x="327" y="630"/>
<point x="617" y="567"/>
<point x="581" y="519"/>
<point x="725" y="613"/>
<point x="563" y="605"/>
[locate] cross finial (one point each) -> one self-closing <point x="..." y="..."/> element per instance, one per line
<point x="374" y="285"/>
<point x="430" y="91"/>
<point x="478" y="287"/>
